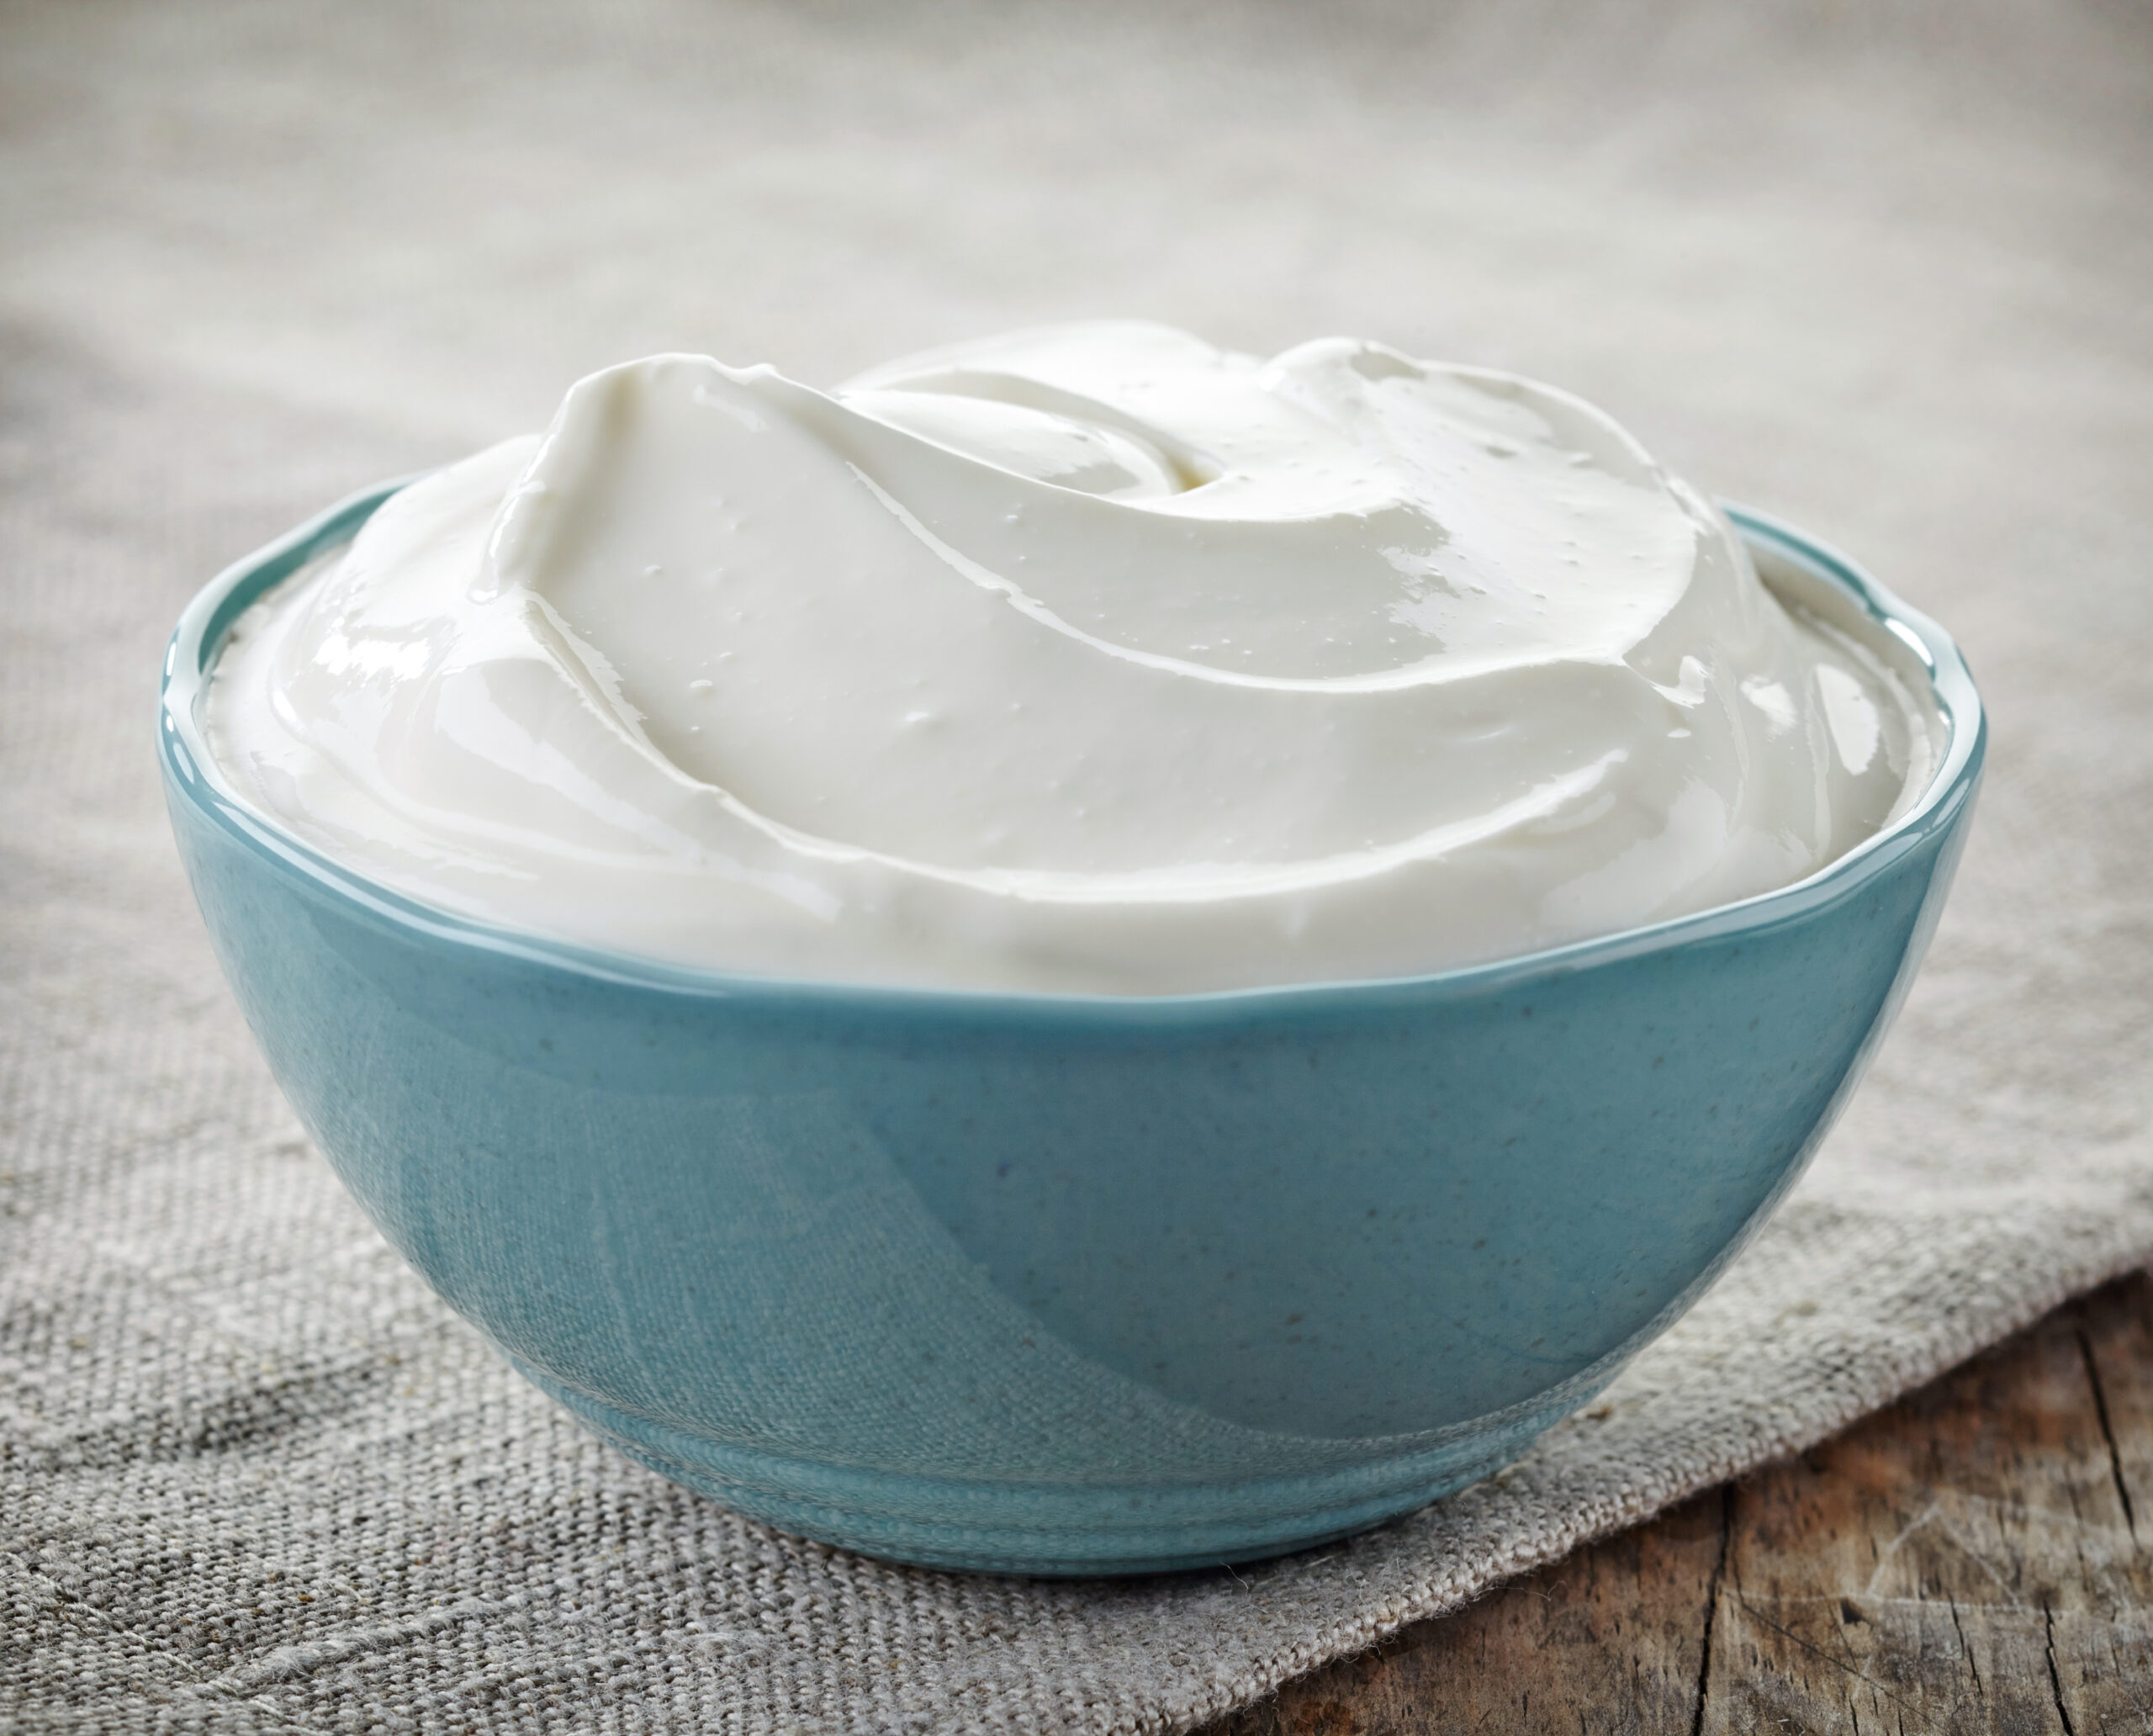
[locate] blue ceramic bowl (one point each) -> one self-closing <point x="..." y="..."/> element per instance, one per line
<point x="1067" y="1284"/>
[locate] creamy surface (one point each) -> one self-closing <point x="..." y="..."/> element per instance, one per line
<point x="1089" y="659"/>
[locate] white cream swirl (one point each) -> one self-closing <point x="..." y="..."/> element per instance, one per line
<point x="1091" y="658"/>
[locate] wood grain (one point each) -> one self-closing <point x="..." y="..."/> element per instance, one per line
<point x="1973" y="1560"/>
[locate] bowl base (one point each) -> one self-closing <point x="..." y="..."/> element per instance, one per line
<point x="1049" y="1530"/>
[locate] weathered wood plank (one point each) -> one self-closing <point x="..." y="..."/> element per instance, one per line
<point x="1974" y="1559"/>
<point x="1913" y="1572"/>
<point x="1613" y="1639"/>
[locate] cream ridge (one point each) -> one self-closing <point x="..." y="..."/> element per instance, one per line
<point x="1087" y="660"/>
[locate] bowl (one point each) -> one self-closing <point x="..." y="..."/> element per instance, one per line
<point x="1068" y="1284"/>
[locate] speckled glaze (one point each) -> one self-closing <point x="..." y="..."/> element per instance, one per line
<point x="1065" y="1285"/>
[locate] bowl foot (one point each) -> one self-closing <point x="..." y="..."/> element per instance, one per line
<point x="1051" y="1530"/>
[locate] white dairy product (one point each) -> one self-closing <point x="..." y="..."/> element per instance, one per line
<point x="1089" y="659"/>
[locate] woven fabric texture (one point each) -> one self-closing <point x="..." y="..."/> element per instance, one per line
<point x="1881" y="269"/>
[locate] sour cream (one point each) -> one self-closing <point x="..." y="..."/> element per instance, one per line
<point x="1087" y="660"/>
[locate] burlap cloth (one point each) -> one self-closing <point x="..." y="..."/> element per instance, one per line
<point x="1884" y="271"/>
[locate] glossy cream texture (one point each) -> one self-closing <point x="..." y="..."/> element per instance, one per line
<point x="1091" y="658"/>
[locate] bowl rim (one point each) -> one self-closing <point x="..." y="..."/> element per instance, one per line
<point x="191" y="771"/>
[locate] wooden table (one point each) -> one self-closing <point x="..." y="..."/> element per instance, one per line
<point x="1974" y="1559"/>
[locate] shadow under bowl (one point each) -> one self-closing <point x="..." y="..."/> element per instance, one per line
<point x="1068" y="1284"/>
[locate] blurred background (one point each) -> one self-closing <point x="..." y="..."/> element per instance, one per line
<point x="1912" y="220"/>
<point x="1883" y="268"/>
